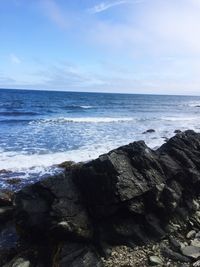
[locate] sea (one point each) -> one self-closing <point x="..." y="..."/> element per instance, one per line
<point x="41" y="129"/>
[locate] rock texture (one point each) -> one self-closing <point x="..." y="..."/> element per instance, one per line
<point x="133" y="196"/>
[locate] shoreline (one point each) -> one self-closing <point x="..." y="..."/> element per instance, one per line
<point x="128" y="206"/>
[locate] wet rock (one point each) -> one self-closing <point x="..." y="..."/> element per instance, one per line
<point x="177" y="131"/>
<point x="130" y="196"/>
<point x="67" y="165"/>
<point x="149" y="131"/>
<point x="191" y="251"/>
<point x="14" y="181"/>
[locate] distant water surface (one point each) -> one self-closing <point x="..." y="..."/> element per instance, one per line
<point x="39" y="129"/>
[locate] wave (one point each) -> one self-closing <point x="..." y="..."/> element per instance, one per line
<point x="74" y="107"/>
<point x="18" y="113"/>
<point x="82" y="120"/>
<point x="180" y="118"/>
<point x="15" y="121"/>
<point x="194" y="105"/>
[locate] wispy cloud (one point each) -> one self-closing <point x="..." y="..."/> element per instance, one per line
<point x="103" y="6"/>
<point x="15" y="59"/>
<point x="55" y="13"/>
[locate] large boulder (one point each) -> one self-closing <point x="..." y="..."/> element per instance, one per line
<point x="52" y="207"/>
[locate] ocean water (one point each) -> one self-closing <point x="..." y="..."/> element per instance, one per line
<point x="40" y="129"/>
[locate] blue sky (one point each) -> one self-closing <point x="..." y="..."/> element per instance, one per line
<point x="127" y="46"/>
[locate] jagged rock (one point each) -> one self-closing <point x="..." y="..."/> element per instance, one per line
<point x="117" y="177"/>
<point x="129" y="196"/>
<point x="52" y="206"/>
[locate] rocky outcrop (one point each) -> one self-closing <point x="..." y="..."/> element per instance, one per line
<point x="131" y="196"/>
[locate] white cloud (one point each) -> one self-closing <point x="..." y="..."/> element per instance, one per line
<point x="14" y="59"/>
<point x="103" y="6"/>
<point x="55" y="13"/>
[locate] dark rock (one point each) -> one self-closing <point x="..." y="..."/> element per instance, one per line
<point x="28" y="258"/>
<point x="6" y="198"/>
<point x="14" y="181"/>
<point x="128" y="196"/>
<point x="168" y="253"/>
<point x="6" y="213"/>
<point x="149" y="131"/>
<point x="77" y="255"/>
<point x="52" y="206"/>
<point x="177" y="131"/>
<point x="119" y="176"/>
<point x="3" y="171"/>
<point x="67" y="165"/>
<point x="174" y="244"/>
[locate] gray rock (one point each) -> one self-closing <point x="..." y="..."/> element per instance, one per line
<point x="195" y="243"/>
<point x="191" y="234"/>
<point x="196" y="264"/>
<point x="155" y="260"/>
<point x="191" y="251"/>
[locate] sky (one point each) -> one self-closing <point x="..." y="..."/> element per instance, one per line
<point x="125" y="46"/>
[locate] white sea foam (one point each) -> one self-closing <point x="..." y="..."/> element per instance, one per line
<point x="40" y="163"/>
<point x="180" y="119"/>
<point x="86" y="107"/>
<point x="82" y="120"/>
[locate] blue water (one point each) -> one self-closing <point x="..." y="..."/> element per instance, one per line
<point x="39" y="129"/>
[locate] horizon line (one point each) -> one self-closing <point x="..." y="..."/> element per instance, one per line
<point x="95" y="92"/>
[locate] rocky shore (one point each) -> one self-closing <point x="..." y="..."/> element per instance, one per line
<point x="131" y="207"/>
